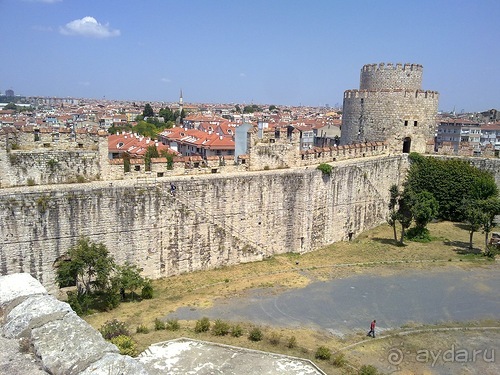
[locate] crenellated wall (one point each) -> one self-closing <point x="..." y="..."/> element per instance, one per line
<point x="212" y="221"/>
<point x="391" y="76"/>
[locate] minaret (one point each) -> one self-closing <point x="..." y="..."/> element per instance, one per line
<point x="180" y="102"/>
<point x="181" y="106"/>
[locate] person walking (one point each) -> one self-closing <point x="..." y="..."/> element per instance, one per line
<point x="371" y="332"/>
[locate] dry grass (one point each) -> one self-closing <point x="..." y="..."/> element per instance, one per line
<point x="374" y="251"/>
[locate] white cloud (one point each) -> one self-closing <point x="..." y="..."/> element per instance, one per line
<point x="243" y="75"/>
<point x="166" y="80"/>
<point x="88" y="26"/>
<point x="84" y="83"/>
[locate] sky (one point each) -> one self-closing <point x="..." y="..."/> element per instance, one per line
<point x="282" y="52"/>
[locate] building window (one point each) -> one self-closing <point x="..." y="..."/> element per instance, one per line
<point x="137" y="168"/>
<point x="406" y="122"/>
<point x="415" y="123"/>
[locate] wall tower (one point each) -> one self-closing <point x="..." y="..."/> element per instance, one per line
<point x="390" y="106"/>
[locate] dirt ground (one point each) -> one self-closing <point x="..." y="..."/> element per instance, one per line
<point x="373" y="252"/>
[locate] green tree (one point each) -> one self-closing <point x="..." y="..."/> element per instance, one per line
<point x="146" y="129"/>
<point x="118" y="129"/>
<point x="89" y="267"/>
<point x="148" y="111"/>
<point x="151" y="152"/>
<point x="128" y="278"/>
<point x="170" y="158"/>
<point x="392" y="217"/>
<point x="450" y="181"/>
<point x="167" y="114"/>
<point x="474" y="218"/>
<point x="490" y="208"/>
<point x="10" y="106"/>
<point x="424" y="209"/>
<point x="405" y="214"/>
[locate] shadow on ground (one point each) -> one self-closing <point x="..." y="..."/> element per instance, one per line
<point x="462" y="248"/>
<point x="388" y="241"/>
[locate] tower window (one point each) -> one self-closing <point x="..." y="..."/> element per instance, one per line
<point x="406" y="122"/>
<point x="415" y="123"/>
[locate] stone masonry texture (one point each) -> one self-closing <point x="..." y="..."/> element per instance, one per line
<point x="212" y="221"/>
<point x="391" y="106"/>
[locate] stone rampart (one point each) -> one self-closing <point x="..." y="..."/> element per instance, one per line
<point x="212" y="221"/>
<point x="41" y="335"/>
<point x="373" y="115"/>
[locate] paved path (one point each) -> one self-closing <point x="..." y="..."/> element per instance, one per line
<point x="343" y="305"/>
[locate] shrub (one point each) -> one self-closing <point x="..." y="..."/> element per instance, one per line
<point x="159" y="325"/>
<point x="202" y="325"/>
<point x="275" y="338"/>
<point x="80" y="179"/>
<point x="126" y="345"/>
<point x="417" y="234"/>
<point x="142" y="329"/>
<point x="52" y="164"/>
<point x="367" y="370"/>
<point x="220" y="328"/>
<point x="339" y="360"/>
<point x="113" y="328"/>
<point x="325" y="168"/>
<point x="292" y="342"/>
<point x="30" y="182"/>
<point x="492" y="250"/>
<point x="173" y="325"/>
<point x="236" y="330"/>
<point x="323" y="353"/>
<point x="80" y="303"/>
<point x="147" y="290"/>
<point x="255" y="334"/>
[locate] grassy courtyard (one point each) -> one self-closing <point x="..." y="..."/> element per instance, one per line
<point x="372" y="252"/>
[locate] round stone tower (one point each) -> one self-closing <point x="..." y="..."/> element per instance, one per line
<point x="390" y="106"/>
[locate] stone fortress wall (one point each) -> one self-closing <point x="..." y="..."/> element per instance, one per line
<point x="37" y="157"/>
<point x="30" y="157"/>
<point x="226" y="214"/>
<point x="213" y="220"/>
<point x="390" y="106"/>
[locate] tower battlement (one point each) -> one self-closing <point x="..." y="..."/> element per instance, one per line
<point x="391" y="76"/>
<point x="398" y="66"/>
<point x="400" y="93"/>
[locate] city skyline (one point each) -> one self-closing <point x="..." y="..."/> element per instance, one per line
<point x="280" y="52"/>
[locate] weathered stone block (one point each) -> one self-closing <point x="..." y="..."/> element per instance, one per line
<point x="115" y="364"/>
<point x="68" y="346"/>
<point x="33" y="312"/>
<point x="16" y="286"/>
